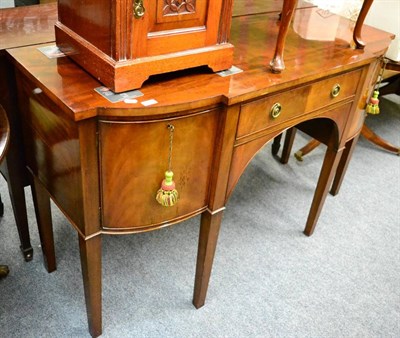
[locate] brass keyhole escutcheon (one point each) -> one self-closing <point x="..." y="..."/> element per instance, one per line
<point x="276" y="110"/>
<point x="138" y="9"/>
<point x="335" y="90"/>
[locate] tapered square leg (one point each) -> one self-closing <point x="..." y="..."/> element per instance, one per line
<point x="343" y="164"/>
<point x="41" y="201"/>
<point x="90" y="253"/>
<point x="328" y="170"/>
<point x="209" y="230"/>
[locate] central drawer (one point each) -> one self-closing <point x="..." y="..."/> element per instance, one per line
<point x="278" y="108"/>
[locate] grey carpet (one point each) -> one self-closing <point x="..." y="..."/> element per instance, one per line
<point x="268" y="279"/>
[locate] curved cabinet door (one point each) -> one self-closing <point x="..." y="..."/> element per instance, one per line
<point x="133" y="160"/>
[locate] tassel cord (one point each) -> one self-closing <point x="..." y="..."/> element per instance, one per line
<point x="171" y="139"/>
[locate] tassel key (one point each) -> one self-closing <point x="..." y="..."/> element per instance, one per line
<point x="167" y="195"/>
<point x="373" y="105"/>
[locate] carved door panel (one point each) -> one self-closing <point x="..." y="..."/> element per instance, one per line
<point x="169" y="26"/>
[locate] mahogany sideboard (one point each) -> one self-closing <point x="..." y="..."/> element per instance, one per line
<point x="21" y="26"/>
<point x="102" y="162"/>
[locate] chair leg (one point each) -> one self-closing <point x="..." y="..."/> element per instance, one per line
<point x="276" y="144"/>
<point x="309" y="147"/>
<point x="287" y="146"/>
<point x="16" y="186"/>
<point x="277" y="64"/>
<point x="359" y="24"/>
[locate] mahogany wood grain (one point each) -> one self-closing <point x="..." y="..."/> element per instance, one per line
<point x="245" y="8"/>
<point x="208" y="237"/>
<point x="27" y="25"/>
<point x="90" y="254"/>
<point x="122" y="51"/>
<point x="22" y="26"/>
<point x="62" y="114"/>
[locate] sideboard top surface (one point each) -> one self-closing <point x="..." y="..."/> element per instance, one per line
<point x="28" y="25"/>
<point x="254" y="38"/>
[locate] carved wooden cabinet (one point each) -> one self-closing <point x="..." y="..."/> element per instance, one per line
<point x="123" y="42"/>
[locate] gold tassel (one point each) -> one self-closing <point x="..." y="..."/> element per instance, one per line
<point x="167" y="195"/>
<point x="373" y="105"/>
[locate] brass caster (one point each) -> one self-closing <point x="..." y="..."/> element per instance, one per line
<point x="28" y="253"/>
<point x="299" y="155"/>
<point x="4" y="271"/>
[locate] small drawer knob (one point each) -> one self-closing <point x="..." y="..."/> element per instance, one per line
<point x="276" y="110"/>
<point x="335" y="90"/>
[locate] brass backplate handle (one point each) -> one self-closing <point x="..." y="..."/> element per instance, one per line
<point x="276" y="110"/>
<point x="335" y="90"/>
<point x="138" y="9"/>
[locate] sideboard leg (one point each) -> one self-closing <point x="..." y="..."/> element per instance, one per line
<point x="90" y="253"/>
<point x="331" y="160"/>
<point x="343" y="164"/>
<point x="209" y="230"/>
<point x="41" y="201"/>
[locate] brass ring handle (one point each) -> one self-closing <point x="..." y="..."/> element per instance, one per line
<point x="335" y="90"/>
<point x="276" y="110"/>
<point x="138" y="9"/>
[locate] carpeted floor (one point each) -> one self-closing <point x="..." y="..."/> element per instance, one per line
<point x="268" y="279"/>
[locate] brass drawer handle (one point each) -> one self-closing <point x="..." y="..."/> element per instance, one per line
<point x="335" y="90"/>
<point x="276" y="110"/>
<point x="138" y="9"/>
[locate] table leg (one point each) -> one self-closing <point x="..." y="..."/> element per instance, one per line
<point x="277" y="64"/>
<point x="90" y="253"/>
<point x="309" y="147"/>
<point x="41" y="201"/>
<point x="209" y="230"/>
<point x="375" y="139"/>
<point x="331" y="160"/>
<point x="343" y="164"/>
